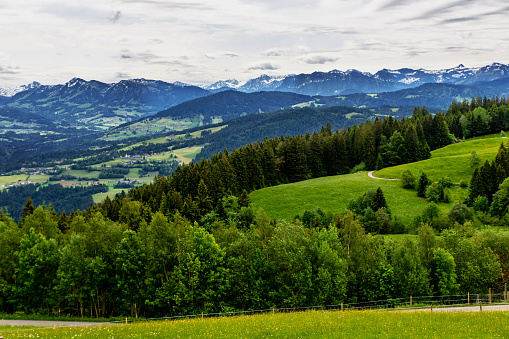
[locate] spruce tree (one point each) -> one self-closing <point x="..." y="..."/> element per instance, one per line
<point x="422" y="184"/>
<point x="476" y="187"/>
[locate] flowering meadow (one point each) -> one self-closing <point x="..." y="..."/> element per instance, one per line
<point x="310" y="324"/>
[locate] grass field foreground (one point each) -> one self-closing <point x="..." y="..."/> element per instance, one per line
<point x="310" y="324"/>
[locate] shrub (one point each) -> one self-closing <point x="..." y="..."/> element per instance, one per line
<point x="435" y="192"/>
<point x="358" y="167"/>
<point x="463" y="183"/>
<point x="460" y="213"/>
<point x="481" y="204"/>
<point x="446" y="182"/>
<point x="407" y="179"/>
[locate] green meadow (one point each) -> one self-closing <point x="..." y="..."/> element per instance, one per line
<point x="310" y="324"/>
<point x="451" y="160"/>
<point x="332" y="193"/>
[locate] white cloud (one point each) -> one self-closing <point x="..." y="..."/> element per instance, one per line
<point x="319" y="59"/>
<point x="266" y="66"/>
<point x="201" y="41"/>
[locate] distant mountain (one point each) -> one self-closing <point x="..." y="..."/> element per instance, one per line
<point x="228" y="105"/>
<point x="352" y="81"/>
<point x="14" y="116"/>
<point x="9" y="92"/>
<point x="437" y="96"/>
<point x="231" y="104"/>
<point x="98" y="105"/>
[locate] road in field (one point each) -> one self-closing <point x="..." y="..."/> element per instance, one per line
<point x="469" y="308"/>
<point x="46" y="323"/>
<point x="43" y="323"/>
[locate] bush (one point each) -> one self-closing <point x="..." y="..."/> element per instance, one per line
<point x="463" y="183"/>
<point x="358" y="167"/>
<point x="407" y="179"/>
<point x="435" y="192"/>
<point x="446" y="182"/>
<point x="460" y="213"/>
<point x="481" y="204"/>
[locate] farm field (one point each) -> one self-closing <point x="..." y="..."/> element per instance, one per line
<point x="310" y="324"/>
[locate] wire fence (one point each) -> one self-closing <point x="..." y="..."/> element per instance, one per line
<point x="420" y="302"/>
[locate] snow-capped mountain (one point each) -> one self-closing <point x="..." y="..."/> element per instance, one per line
<point x="9" y="92"/>
<point x="338" y="82"/>
<point x="223" y="85"/>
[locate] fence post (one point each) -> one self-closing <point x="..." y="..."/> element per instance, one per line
<point x="410" y="301"/>
<point x="202" y="315"/>
<point x="505" y="292"/>
<point x="126" y="320"/>
<point x="468" y="298"/>
<point x="480" y="306"/>
<point x="431" y="307"/>
<point x="477" y="298"/>
<point x="341" y="306"/>
<point x="489" y="295"/>
<point x="272" y="310"/>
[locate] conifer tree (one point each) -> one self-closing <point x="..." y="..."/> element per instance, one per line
<point x="422" y="183"/>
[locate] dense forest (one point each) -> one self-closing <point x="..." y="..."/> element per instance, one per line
<point x="192" y="243"/>
<point x="62" y="198"/>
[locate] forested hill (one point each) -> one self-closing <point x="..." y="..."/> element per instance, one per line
<point x="232" y="104"/>
<point x="248" y="129"/>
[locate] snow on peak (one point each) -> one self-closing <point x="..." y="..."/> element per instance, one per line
<point x="11" y="91"/>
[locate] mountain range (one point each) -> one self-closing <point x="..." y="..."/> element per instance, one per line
<point x="96" y="105"/>
<point x="352" y="81"/>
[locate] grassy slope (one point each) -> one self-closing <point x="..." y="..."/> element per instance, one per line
<point x="452" y="160"/>
<point x="311" y="324"/>
<point x="332" y="193"/>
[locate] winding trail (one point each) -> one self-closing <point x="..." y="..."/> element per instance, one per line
<point x="370" y="174"/>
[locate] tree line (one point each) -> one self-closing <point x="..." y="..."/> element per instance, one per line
<point x="86" y="264"/>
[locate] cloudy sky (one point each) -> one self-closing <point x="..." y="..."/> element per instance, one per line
<point x="201" y="41"/>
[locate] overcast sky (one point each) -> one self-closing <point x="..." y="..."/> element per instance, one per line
<point x="201" y="41"/>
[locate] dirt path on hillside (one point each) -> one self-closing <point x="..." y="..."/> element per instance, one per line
<point x="370" y="174"/>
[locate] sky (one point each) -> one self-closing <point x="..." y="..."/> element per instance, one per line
<point x="200" y="42"/>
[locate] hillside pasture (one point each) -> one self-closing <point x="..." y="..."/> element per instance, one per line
<point x="331" y="194"/>
<point x="451" y="160"/>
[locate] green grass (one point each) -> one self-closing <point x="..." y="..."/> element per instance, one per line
<point x="12" y="179"/>
<point x="83" y="173"/>
<point x="451" y="160"/>
<point x="187" y="154"/>
<point x="332" y="194"/>
<point x="99" y="197"/>
<point x="311" y="324"/>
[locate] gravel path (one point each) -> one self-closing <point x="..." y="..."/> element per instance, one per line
<point x="46" y="323"/>
<point x="370" y="174"/>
